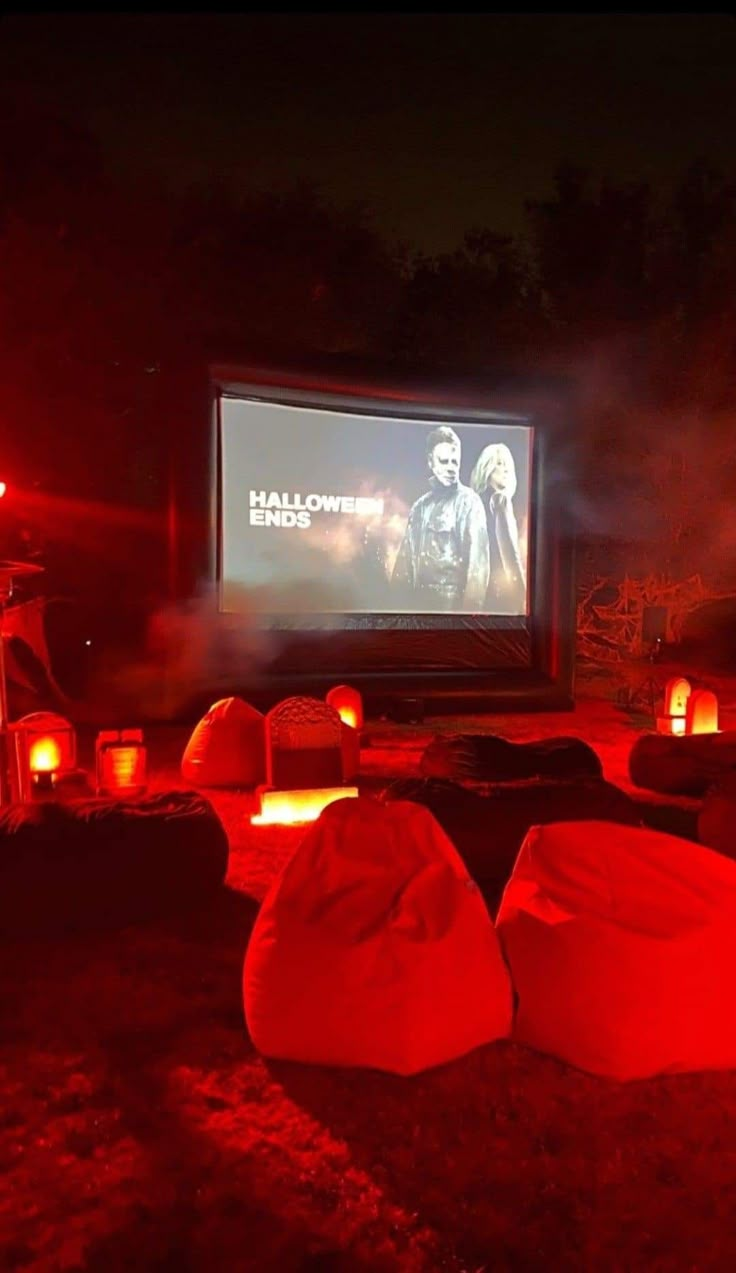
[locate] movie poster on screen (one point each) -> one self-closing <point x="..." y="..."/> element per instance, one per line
<point x="326" y="511"/>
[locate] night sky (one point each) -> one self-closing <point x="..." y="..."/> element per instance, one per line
<point x="439" y="122"/>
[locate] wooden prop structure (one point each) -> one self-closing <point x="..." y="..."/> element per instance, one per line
<point x="610" y="613"/>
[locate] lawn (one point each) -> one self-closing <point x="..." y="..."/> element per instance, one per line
<point x="139" y="1129"/>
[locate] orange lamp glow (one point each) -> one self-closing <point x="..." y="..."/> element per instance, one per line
<point x="348" y="704"/>
<point x="289" y="808"/>
<point x="121" y="762"/>
<point x="44" y="755"/>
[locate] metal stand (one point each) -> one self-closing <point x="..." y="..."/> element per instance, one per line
<point x="9" y="572"/>
<point x="644" y="695"/>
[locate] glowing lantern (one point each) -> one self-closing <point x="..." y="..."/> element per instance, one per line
<point x="676" y="697"/>
<point x="44" y="756"/>
<point x="289" y="808"/>
<point x="45" y="747"/>
<point x="121" y="762"/>
<point x="702" y="713"/>
<point x="348" y="704"/>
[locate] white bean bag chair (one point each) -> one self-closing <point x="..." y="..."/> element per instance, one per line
<point x="374" y="947"/>
<point x="622" y="943"/>
<point x="227" y="747"/>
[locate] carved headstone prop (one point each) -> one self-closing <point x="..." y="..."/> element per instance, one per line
<point x="488" y="830"/>
<point x="676" y="695"/>
<point x="102" y="863"/>
<point x="305" y="769"/>
<point x="702" y="713"/>
<point x="349" y="706"/>
<point x="717" y="818"/>
<point x="374" y="948"/>
<point x="488" y="758"/>
<point x="621" y="943"/>
<point x="685" y="766"/>
<point x="227" y="747"/>
<point x="303" y="745"/>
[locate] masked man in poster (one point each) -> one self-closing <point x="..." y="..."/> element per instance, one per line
<point x="443" y="561"/>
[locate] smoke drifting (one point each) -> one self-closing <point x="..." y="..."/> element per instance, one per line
<point x="190" y="648"/>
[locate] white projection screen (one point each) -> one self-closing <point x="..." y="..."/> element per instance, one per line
<point x="337" y="512"/>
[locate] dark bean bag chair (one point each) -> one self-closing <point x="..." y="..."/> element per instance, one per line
<point x="102" y="863"/>
<point x="487" y="758"/>
<point x="488" y="831"/>
<point x="679" y="766"/>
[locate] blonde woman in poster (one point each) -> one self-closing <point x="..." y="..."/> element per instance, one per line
<point x="494" y="479"/>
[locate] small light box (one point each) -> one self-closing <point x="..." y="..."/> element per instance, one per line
<point x="289" y="808"/>
<point x="44" y="747"/>
<point x="121" y="762"/>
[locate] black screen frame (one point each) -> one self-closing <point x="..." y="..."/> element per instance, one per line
<point x="547" y="682"/>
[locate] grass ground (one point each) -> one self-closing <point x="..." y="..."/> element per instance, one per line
<point x="139" y="1130"/>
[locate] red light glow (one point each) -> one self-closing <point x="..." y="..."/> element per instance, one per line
<point x="289" y="808"/>
<point x="348" y="704"/>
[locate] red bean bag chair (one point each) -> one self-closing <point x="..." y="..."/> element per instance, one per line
<point x="227" y="747"/>
<point x="622" y="943"/>
<point x="374" y="947"/>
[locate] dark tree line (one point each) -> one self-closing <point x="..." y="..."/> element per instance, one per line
<point x="113" y="299"/>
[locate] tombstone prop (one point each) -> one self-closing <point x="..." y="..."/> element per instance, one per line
<point x="304" y="745"/>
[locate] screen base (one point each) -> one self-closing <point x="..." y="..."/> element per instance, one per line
<point x="388" y="694"/>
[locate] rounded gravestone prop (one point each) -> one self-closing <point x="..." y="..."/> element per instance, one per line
<point x="227" y="747"/>
<point x="487" y="758"/>
<point x="304" y="745"/>
<point x="702" y="713"/>
<point x="106" y="863"/>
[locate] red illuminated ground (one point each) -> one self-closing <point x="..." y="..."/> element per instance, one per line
<point x="139" y="1130"/>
